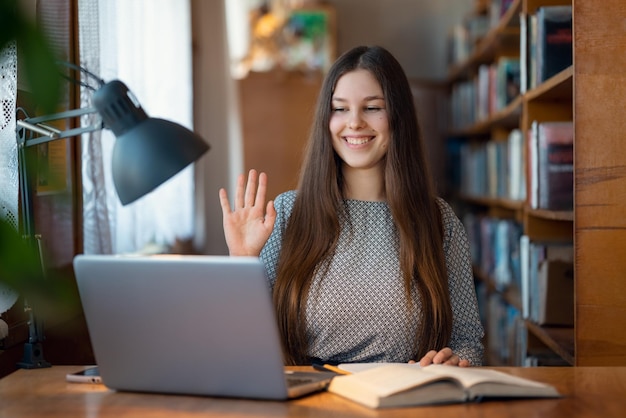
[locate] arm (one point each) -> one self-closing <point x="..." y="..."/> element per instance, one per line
<point x="467" y="332"/>
<point x="249" y="224"/>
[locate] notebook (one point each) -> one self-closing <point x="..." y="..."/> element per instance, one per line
<point x="193" y="325"/>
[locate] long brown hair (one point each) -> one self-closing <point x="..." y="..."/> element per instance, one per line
<point x="313" y="228"/>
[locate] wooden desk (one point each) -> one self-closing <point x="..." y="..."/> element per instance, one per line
<point x="589" y="392"/>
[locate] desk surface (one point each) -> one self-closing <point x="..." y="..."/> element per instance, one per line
<point x="588" y="392"/>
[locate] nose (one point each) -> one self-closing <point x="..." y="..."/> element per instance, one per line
<point x="356" y="120"/>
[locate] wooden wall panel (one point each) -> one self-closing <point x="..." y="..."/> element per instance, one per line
<point x="600" y="191"/>
<point x="601" y="297"/>
<point x="277" y="111"/>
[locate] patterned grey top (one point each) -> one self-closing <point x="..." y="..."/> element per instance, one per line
<point x="357" y="312"/>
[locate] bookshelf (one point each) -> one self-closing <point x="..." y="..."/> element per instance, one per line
<point x="592" y="92"/>
<point x="514" y="336"/>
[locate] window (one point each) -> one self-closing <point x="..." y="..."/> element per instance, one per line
<point x="147" y="45"/>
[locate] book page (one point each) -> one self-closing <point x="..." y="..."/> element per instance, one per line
<point x="390" y="379"/>
<point x="474" y="375"/>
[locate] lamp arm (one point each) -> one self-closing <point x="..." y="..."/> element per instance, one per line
<point x="34" y="131"/>
<point x="48" y="133"/>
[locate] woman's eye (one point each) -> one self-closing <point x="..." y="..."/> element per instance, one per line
<point x="339" y="109"/>
<point x="372" y="109"/>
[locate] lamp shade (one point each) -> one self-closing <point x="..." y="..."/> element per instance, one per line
<point x="147" y="151"/>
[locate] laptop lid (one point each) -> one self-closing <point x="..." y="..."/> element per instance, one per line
<point x="196" y="325"/>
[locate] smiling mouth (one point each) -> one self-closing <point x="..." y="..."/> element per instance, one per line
<point x="359" y="140"/>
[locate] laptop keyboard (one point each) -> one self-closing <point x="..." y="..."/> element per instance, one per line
<point x="295" y="381"/>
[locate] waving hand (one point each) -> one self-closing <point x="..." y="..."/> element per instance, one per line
<point x="249" y="224"/>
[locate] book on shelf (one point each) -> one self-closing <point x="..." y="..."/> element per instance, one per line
<point x="494" y="247"/>
<point x="494" y="168"/>
<point x="524" y="52"/>
<point x="532" y="183"/>
<point x="463" y="104"/>
<point x="532" y="52"/>
<point x="458" y="45"/>
<point x="497" y="10"/>
<point x="547" y="283"/>
<point x="483" y="103"/>
<point x="554" y="40"/>
<point x="463" y="38"/>
<point x="551" y="161"/>
<point x="516" y="172"/>
<point x="505" y="248"/>
<point x="477" y="27"/>
<point x="503" y="327"/>
<point x="556" y="293"/>
<point x="489" y="91"/>
<point x="507" y="81"/>
<point x="474" y="173"/>
<point x="555" y="165"/>
<point x="401" y="385"/>
<point x="545" y="44"/>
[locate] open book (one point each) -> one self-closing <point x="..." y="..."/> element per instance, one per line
<point x="406" y="385"/>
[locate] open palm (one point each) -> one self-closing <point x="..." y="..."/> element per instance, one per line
<point x="248" y="225"/>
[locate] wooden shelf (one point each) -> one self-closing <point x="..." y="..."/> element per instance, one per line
<point x="488" y="201"/>
<point x="558" y="339"/>
<point x="505" y="33"/>
<point x="509" y="117"/>
<point x="567" y="216"/>
<point x="557" y="87"/>
<point x="543" y="225"/>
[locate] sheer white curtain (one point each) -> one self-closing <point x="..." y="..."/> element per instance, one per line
<point x="8" y="156"/>
<point x="147" y="45"/>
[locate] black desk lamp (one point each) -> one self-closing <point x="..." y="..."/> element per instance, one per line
<point x="147" y="152"/>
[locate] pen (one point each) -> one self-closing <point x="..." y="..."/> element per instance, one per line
<point x="329" y="367"/>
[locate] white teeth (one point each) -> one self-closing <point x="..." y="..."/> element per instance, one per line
<point x="357" y="141"/>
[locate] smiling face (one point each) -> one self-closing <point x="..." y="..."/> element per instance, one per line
<point x="359" y="124"/>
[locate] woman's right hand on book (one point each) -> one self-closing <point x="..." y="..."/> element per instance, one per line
<point x="443" y="356"/>
<point x="248" y="225"/>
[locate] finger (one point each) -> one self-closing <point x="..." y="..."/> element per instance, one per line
<point x="261" y="191"/>
<point x="251" y="188"/>
<point x="270" y="214"/>
<point x="453" y="360"/>
<point x="241" y="179"/>
<point x="224" y="203"/>
<point x="443" y="355"/>
<point x="428" y="358"/>
<point x="464" y="363"/>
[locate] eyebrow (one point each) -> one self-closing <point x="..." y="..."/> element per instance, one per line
<point x="365" y="99"/>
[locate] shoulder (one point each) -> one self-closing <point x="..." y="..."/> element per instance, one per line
<point x="449" y="220"/>
<point x="285" y="200"/>
<point x="447" y="213"/>
<point x="284" y="206"/>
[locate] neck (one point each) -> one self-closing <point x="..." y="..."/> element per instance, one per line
<point x="364" y="184"/>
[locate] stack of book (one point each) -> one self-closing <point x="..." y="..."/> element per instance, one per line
<point x="547" y="274"/>
<point x="545" y="44"/>
<point x="551" y="165"/>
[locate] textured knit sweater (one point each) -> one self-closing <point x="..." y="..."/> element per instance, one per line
<point x="357" y="310"/>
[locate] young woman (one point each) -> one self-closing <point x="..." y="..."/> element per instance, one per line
<point x="365" y="263"/>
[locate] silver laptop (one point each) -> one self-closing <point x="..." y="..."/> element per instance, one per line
<point x="194" y="325"/>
